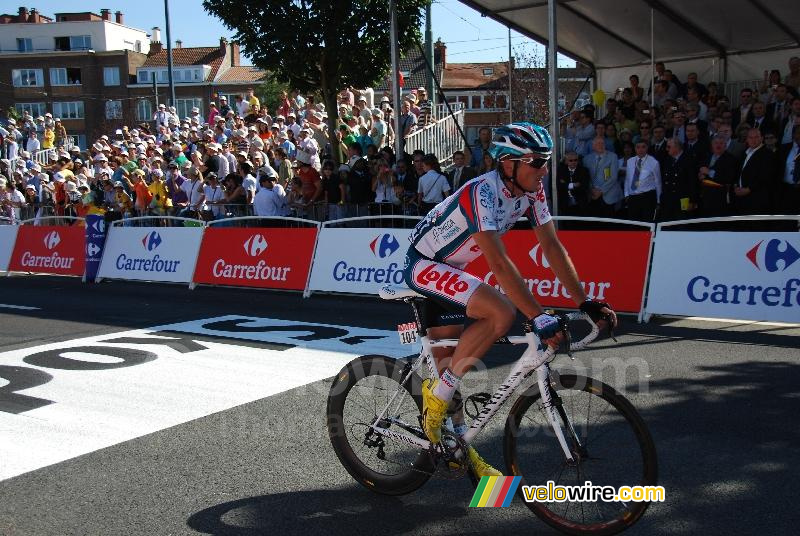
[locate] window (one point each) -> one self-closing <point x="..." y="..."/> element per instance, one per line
<point x="74" y="42"/>
<point x="489" y="101"/>
<point x="138" y="46"/>
<point x="110" y="76"/>
<point x="184" y="106"/>
<point x="476" y="102"/>
<point x="68" y="110"/>
<point x="144" y="77"/>
<point x="144" y="110"/>
<point x="113" y="109"/>
<point x="24" y="45"/>
<point x="489" y="71"/>
<point x="27" y="77"/>
<point x="162" y="77"/>
<point x="36" y="109"/>
<point x="501" y="102"/>
<point x="62" y="76"/>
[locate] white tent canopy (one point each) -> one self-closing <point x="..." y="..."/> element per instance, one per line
<point x="720" y="39"/>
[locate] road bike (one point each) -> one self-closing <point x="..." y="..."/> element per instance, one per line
<point x="564" y="428"/>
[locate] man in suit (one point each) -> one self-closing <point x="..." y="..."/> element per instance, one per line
<point x="761" y="120"/>
<point x="752" y="188"/>
<point x="658" y="145"/>
<point x="744" y="113"/>
<point x="678" y="129"/>
<point x="606" y="193"/>
<point x="696" y="148"/>
<point x="778" y="110"/>
<point x="789" y="157"/>
<point x="573" y="186"/>
<point x="792" y="119"/>
<point x="717" y="175"/>
<point x="461" y="172"/>
<point x="693" y="118"/>
<point x="679" y="184"/>
<point x="732" y="146"/>
<point x="642" y="185"/>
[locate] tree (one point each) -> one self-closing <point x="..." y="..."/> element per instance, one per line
<point x="269" y="92"/>
<point x="320" y="45"/>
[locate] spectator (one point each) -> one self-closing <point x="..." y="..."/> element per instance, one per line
<point x="175" y="191"/>
<point x="752" y="189"/>
<point x="214" y="198"/>
<point x="360" y="183"/>
<point x="270" y="201"/>
<point x="249" y="182"/>
<point x="378" y="132"/>
<point x="693" y="85"/>
<point x="717" y="175"/>
<point x="780" y="107"/>
<point x="642" y="185"/>
<point x="433" y="186"/>
<point x="600" y="131"/>
<point x="385" y="190"/>
<point x="488" y="164"/>
<point x="460" y="173"/>
<point x="605" y="194"/>
<point x="789" y="158"/>
<point x="407" y="180"/>
<point x="334" y="190"/>
<point x="696" y="148"/>
<point x="33" y="144"/>
<point x="637" y="92"/>
<point x="793" y="77"/>
<point x="160" y="201"/>
<point x="678" y="129"/>
<point x="573" y="186"/>
<point x="759" y="118"/>
<point x="581" y="132"/>
<point x="732" y="145"/>
<point x="480" y="148"/>
<point x="408" y="121"/>
<point x="679" y="183"/>
<point x="792" y="119"/>
<point x="744" y="113"/>
<point x="711" y="97"/>
<point x="285" y="172"/>
<point x="310" y="180"/>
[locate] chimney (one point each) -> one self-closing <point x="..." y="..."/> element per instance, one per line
<point x="105" y="14"/>
<point x="236" y="57"/>
<point x="178" y="44"/>
<point x="119" y="17"/>
<point x="440" y="49"/>
<point x="23" y="15"/>
<point x="223" y="45"/>
<point x="155" y="41"/>
<point x="34" y="16"/>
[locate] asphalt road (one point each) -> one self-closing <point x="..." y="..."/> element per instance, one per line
<point x="721" y="401"/>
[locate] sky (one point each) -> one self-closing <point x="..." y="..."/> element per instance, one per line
<point x="468" y="36"/>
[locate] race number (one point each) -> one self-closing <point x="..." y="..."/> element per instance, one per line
<point x="407" y="333"/>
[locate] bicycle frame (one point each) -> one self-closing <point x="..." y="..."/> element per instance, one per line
<point x="531" y="360"/>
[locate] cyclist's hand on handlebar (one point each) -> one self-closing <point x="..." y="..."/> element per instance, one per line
<point x="601" y="313"/>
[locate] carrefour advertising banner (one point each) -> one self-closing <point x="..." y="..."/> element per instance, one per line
<point x="151" y="253"/>
<point x="47" y="249"/>
<point x="256" y="257"/>
<point x="612" y="266"/>
<point x="746" y="276"/>
<point x="359" y="261"/>
<point x="8" y="236"/>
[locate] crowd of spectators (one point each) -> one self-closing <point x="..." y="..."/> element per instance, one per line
<point x="692" y="153"/>
<point x="240" y="160"/>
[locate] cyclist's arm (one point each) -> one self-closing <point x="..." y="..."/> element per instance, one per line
<point x="506" y="273"/>
<point x="559" y="261"/>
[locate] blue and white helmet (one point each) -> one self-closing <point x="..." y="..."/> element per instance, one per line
<point x="520" y="138"/>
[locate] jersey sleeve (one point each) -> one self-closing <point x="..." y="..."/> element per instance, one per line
<point x="538" y="211"/>
<point x="478" y="203"/>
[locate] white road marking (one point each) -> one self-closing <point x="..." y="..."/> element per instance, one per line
<point x="21" y="307"/>
<point x="733" y="321"/>
<point x="87" y="405"/>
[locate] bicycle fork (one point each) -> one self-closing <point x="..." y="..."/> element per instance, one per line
<point x="554" y="410"/>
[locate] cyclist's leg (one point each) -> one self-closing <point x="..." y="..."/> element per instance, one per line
<point x="494" y="315"/>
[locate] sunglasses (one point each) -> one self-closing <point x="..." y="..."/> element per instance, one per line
<point x="533" y="161"/>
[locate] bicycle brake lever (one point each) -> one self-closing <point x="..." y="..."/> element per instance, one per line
<point x="564" y="325"/>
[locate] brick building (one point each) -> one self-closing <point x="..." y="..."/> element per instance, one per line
<point x="95" y="73"/>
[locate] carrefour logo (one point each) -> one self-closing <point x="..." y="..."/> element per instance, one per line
<point x="384" y="245"/>
<point x="538" y="257"/>
<point x="52" y="239"/>
<point x="151" y="240"/>
<point x="767" y="255"/>
<point x="255" y="245"/>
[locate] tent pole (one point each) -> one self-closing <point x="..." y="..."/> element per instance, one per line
<point x="652" y="63"/>
<point x="552" y="53"/>
<point x="398" y="135"/>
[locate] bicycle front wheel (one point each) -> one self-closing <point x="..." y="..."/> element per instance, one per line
<point x="609" y="442"/>
<point x="360" y="394"/>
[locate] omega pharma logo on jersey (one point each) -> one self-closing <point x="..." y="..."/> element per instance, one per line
<point x="383" y="246"/>
<point x="150" y="242"/>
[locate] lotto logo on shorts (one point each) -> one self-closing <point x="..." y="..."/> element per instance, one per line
<point x="447" y="282"/>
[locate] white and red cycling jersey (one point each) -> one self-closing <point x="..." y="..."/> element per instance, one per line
<point x="482" y="204"/>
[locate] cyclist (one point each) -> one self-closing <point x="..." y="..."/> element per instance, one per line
<point x="465" y="226"/>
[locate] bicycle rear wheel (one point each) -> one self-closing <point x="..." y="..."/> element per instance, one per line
<point x="360" y="392"/>
<point x="616" y="449"/>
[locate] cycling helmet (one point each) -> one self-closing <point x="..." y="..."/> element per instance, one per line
<point x="520" y="138"/>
